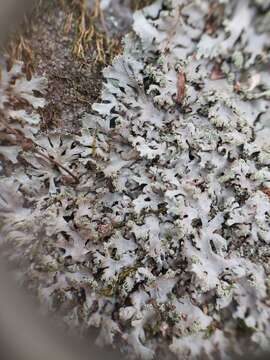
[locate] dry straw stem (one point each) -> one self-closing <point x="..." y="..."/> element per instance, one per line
<point x="20" y="49"/>
<point x="92" y="32"/>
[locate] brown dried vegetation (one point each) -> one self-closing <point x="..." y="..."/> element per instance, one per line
<point x="69" y="44"/>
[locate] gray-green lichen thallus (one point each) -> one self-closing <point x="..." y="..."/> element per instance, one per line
<point x="153" y="222"/>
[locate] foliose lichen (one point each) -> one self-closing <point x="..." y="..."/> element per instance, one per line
<point x="153" y="224"/>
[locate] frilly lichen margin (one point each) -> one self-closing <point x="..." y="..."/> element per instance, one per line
<point x="164" y="239"/>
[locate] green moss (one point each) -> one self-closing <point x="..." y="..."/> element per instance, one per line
<point x="209" y="331"/>
<point x="243" y="328"/>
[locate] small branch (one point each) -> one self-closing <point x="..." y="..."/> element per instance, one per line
<point x="55" y="162"/>
<point x="28" y="144"/>
<point x="181" y="87"/>
<point x="266" y="191"/>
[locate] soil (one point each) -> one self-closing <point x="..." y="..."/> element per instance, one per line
<point x="74" y="82"/>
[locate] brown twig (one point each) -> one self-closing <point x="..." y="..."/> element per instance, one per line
<point x="266" y="190"/>
<point x="181" y="87"/>
<point x="28" y="144"/>
<point x="217" y="73"/>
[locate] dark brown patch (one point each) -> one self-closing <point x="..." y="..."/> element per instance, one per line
<point x="181" y="87"/>
<point x="74" y="83"/>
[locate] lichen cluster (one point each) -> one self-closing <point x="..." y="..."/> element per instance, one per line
<point x="153" y="224"/>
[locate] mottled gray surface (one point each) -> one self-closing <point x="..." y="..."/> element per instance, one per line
<point x="153" y="222"/>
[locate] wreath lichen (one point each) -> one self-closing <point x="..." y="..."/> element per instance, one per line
<point x="153" y="223"/>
